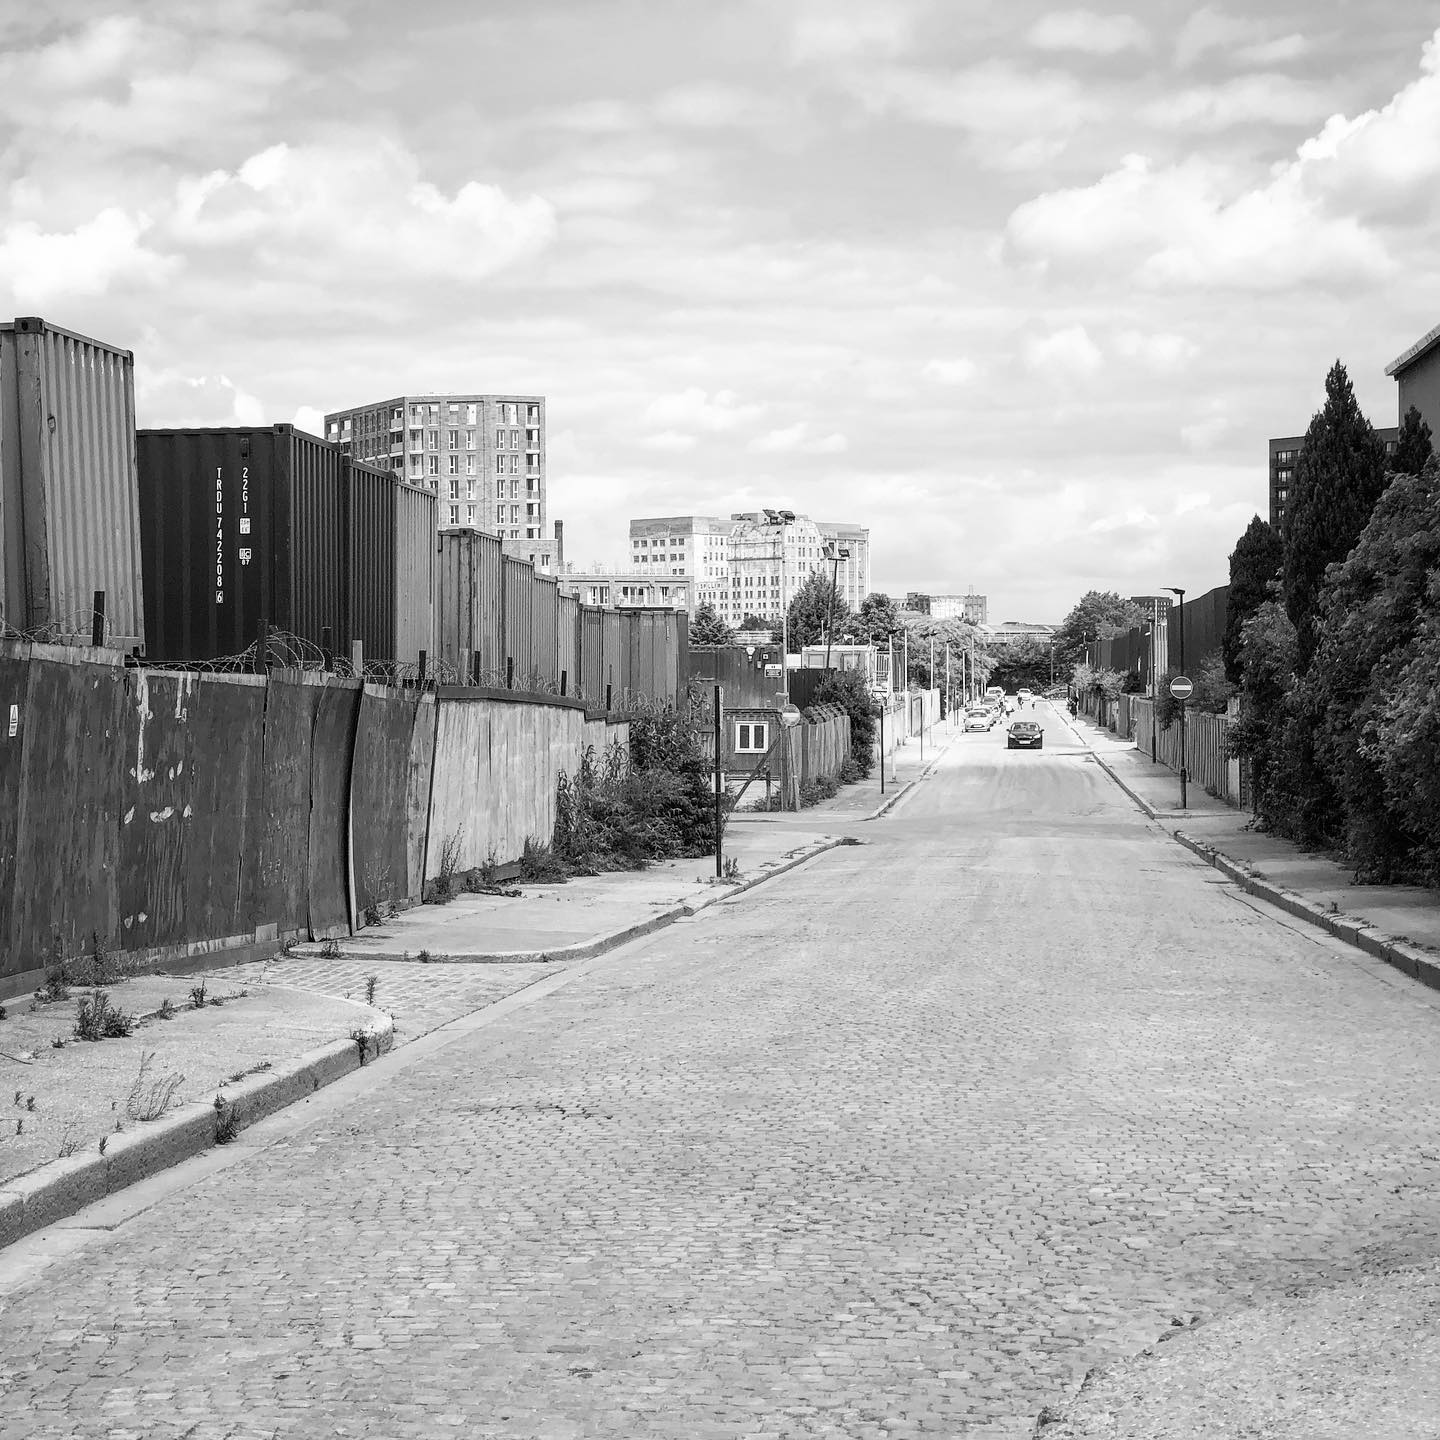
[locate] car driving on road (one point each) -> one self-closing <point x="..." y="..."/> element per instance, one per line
<point x="1024" y="735"/>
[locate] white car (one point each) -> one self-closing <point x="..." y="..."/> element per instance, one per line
<point x="978" y="719"/>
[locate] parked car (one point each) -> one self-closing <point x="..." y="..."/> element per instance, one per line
<point x="977" y="720"/>
<point x="1024" y="735"/>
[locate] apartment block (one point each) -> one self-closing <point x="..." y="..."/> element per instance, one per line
<point x="483" y="456"/>
<point x="1417" y="373"/>
<point x="626" y="590"/>
<point x="972" y="607"/>
<point x="1284" y="452"/>
<point x="754" y="562"/>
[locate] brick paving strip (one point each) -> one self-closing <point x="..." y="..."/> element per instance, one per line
<point x="227" y="1048"/>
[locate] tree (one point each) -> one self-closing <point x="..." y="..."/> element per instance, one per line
<point x="1413" y="448"/>
<point x="1267" y="661"/>
<point x="1097" y="614"/>
<point x="1023" y="664"/>
<point x="1339" y="475"/>
<point x="816" y="604"/>
<point x="707" y="628"/>
<point x="1377" y="610"/>
<point x="850" y="690"/>
<point x="1254" y="567"/>
<point x="758" y="622"/>
<point x="878" y="619"/>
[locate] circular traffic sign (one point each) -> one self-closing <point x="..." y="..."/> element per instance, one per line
<point x="1181" y="688"/>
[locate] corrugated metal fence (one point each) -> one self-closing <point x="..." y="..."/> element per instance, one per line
<point x="501" y="623"/>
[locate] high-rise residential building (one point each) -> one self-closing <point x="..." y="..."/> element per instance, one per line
<point x="1284" y="452"/>
<point x="754" y="562"/>
<point x="482" y="455"/>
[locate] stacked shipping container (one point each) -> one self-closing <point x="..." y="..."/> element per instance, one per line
<point x="242" y="526"/>
<point x="69" y="512"/>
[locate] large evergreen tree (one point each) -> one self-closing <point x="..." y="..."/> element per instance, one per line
<point x="1414" y="447"/>
<point x="1254" y="565"/>
<point x="1339" y="475"/>
<point x="707" y="628"/>
<point x="816" y="604"/>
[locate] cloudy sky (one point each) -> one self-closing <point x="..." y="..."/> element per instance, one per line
<point x="1024" y="289"/>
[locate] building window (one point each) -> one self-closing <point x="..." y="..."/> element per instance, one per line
<point x="544" y="562"/>
<point x="432" y="439"/>
<point x="499" y="514"/>
<point x="415" y="464"/>
<point x="433" y="465"/>
<point x="499" y="439"/>
<point x="752" y="738"/>
<point x="454" y="464"/>
<point x="470" y="437"/>
<point x="532" y="414"/>
<point x="470" y="515"/>
<point x="515" y="515"/>
<point x="514" y="439"/>
<point x="454" y="437"/>
<point x="454" y="514"/>
<point x="514" y="464"/>
<point x="469" y="464"/>
<point x="499" y="464"/>
<point x="507" y="410"/>
<point x="469" y="489"/>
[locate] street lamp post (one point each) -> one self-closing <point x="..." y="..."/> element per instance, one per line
<point x="837" y="553"/>
<point x="1180" y="608"/>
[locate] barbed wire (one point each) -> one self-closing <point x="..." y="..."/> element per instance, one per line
<point x="76" y="629"/>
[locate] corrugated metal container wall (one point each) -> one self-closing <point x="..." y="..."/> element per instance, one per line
<point x="518" y="577"/>
<point x="544" y="616"/>
<point x="612" y="656"/>
<point x="69" y="504"/>
<point x="567" y="642"/>
<point x="467" y="600"/>
<point x="415" y="513"/>
<point x="219" y="512"/>
<point x="592" y="655"/>
<point x="318" y="572"/>
<point x="370" y="560"/>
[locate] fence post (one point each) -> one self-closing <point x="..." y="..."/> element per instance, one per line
<point x="564" y="676"/>
<point x="97" y="620"/>
<point x="509" y="672"/>
<point x="474" y="667"/>
<point x="357" y="657"/>
<point x="420" y="671"/>
<point x="327" y="655"/>
<point x="719" y="834"/>
<point x="262" y="648"/>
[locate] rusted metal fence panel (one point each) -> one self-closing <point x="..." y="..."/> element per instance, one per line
<point x="613" y="656"/>
<point x="15" y="722"/>
<point x="592" y="656"/>
<point x="65" y="888"/>
<point x="379" y="789"/>
<point x="370" y="503"/>
<point x="186" y="803"/>
<point x="418" y="785"/>
<point x="69" y="507"/>
<point x="332" y="758"/>
<point x="280" y="871"/>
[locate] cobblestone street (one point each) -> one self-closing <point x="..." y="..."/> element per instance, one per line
<point x="899" y="1144"/>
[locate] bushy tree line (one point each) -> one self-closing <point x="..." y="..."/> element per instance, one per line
<point x="1334" y="637"/>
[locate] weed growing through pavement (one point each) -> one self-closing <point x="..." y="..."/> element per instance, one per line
<point x="330" y="950"/>
<point x="372" y="982"/>
<point x="197" y="996"/>
<point x="30" y="1103"/>
<point x="227" y="1121"/>
<point x="423" y="957"/>
<point x="240" y="1075"/>
<point x="166" y="1010"/>
<point x="104" y="1141"/>
<point x="4" y="1013"/>
<point x="362" y="1043"/>
<point x="151" y="1095"/>
<point x="97" y="1019"/>
<point x="541" y="866"/>
<point x="69" y="1142"/>
<point x="730" y="868"/>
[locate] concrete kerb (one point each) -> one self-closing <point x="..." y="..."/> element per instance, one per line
<point x="887" y="805"/>
<point x="59" y="1189"/>
<point x="1408" y="959"/>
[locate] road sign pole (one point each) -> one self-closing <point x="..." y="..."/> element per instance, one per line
<point x="1181" y="690"/>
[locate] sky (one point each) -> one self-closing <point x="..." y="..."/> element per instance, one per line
<point x="1023" y="288"/>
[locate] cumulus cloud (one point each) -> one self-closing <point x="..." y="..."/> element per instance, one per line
<point x="1016" y="117"/>
<point x="40" y="267"/>
<point x="797" y="440"/>
<point x="697" y="409"/>
<point x="1088" y="32"/>
<point x="959" y="371"/>
<point x="1067" y="352"/>
<point x="827" y="30"/>
<point x="301" y="209"/>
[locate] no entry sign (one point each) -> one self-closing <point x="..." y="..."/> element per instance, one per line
<point x="1181" y="688"/>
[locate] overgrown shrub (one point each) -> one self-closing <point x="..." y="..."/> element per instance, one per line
<point x="97" y="1019"/>
<point x="850" y="692"/>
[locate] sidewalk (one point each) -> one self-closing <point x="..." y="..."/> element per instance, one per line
<point x="211" y="1052"/>
<point x="1399" y="924"/>
<point x="1351" y="1359"/>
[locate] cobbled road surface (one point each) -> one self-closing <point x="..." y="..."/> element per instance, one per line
<point x="900" y="1144"/>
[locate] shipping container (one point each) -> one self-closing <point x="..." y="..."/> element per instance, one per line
<point x="69" y="505"/>
<point x="390" y="564"/>
<point x="240" y="526"/>
<point x="568" y="642"/>
<point x="467" y="601"/>
<point x="518" y="577"/>
<point x="544" y="618"/>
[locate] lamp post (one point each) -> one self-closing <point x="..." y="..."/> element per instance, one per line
<point x="1180" y="608"/>
<point x="837" y="553"/>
